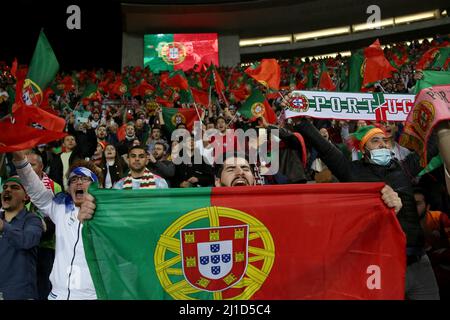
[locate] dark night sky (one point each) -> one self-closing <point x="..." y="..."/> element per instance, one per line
<point x="97" y="44"/>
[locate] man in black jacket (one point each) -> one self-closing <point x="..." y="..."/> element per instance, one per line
<point x="158" y="164"/>
<point x="378" y="165"/>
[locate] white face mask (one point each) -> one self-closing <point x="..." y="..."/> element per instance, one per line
<point x="381" y="157"/>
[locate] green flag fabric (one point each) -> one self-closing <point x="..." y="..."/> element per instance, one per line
<point x="355" y="75"/>
<point x="42" y="71"/>
<point x="440" y="61"/>
<point x="432" y="78"/>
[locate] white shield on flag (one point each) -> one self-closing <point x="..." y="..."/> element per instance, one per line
<point x="215" y="258"/>
<point x="173" y="53"/>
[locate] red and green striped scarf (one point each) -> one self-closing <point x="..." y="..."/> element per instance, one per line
<point x="147" y="181"/>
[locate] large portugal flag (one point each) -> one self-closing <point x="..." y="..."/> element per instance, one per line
<point x="327" y="241"/>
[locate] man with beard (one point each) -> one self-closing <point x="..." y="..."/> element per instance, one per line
<point x="20" y="233"/>
<point x="158" y="164"/>
<point x="101" y="133"/>
<point x="234" y="172"/>
<point x="139" y="176"/>
<point x="70" y="276"/>
<point x="124" y="145"/>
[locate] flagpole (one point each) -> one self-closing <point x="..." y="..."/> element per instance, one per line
<point x="198" y="114"/>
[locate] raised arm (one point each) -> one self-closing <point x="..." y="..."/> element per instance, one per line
<point x="41" y="197"/>
<point x="335" y="160"/>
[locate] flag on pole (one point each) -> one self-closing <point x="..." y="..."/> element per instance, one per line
<point x="174" y="116"/>
<point x="376" y="66"/>
<point x="41" y="72"/>
<point x="267" y="72"/>
<point x="256" y="106"/>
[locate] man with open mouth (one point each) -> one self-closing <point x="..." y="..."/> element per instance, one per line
<point x="234" y="172"/>
<point x="70" y="276"/>
<point x="20" y="233"/>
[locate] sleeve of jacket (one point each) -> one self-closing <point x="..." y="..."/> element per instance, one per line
<point x="290" y="139"/>
<point x="205" y="175"/>
<point x="91" y="147"/>
<point x="25" y="238"/>
<point x="335" y="160"/>
<point x="56" y="170"/>
<point x="165" y="168"/>
<point x="41" y="197"/>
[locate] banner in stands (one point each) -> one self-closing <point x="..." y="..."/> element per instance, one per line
<point x="183" y="51"/>
<point x="228" y="243"/>
<point x="349" y="105"/>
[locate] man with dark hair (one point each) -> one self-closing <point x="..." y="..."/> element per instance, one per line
<point x="158" y="163"/>
<point x="139" y="176"/>
<point x="234" y="172"/>
<point x="70" y="276"/>
<point x="130" y="135"/>
<point x="20" y="233"/>
<point x="101" y="133"/>
<point x="192" y="174"/>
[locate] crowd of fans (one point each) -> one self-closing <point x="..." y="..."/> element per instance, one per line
<point x="123" y="135"/>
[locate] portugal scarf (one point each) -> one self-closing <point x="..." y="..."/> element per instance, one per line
<point x="147" y="181"/>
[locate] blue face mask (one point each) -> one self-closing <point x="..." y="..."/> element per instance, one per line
<point x="381" y="157"/>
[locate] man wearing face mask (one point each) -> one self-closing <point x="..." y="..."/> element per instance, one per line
<point x="378" y="164"/>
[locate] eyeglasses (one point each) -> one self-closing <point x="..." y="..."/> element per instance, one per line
<point x="83" y="179"/>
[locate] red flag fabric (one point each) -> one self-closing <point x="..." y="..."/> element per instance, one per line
<point x="14" y="68"/>
<point x="121" y="132"/>
<point x="27" y="115"/>
<point x="268" y="72"/>
<point x="316" y="254"/>
<point x="16" y="137"/>
<point x="200" y="97"/>
<point x="377" y="67"/>
<point x="176" y="80"/>
<point x="325" y="81"/>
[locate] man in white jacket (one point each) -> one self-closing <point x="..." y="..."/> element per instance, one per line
<point x="70" y="276"/>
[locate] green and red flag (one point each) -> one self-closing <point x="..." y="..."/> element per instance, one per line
<point x="256" y="106"/>
<point x="176" y="79"/>
<point x="325" y="81"/>
<point x="179" y="51"/>
<point x="228" y="243"/>
<point x="91" y="93"/>
<point x="174" y="116"/>
<point x="435" y="58"/>
<point x="143" y="89"/>
<point x="267" y="72"/>
<point x="41" y="72"/>
<point x="307" y="81"/>
<point x="376" y="66"/>
<point x="118" y="88"/>
<point x="399" y="56"/>
<point x="442" y="59"/>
